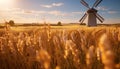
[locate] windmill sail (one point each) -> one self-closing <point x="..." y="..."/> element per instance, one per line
<point x="84" y="3"/>
<point x="97" y="3"/>
<point x="83" y="18"/>
<point x="99" y="18"/>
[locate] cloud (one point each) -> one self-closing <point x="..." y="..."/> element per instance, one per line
<point x="112" y="12"/>
<point x="28" y="11"/>
<point x="57" y="4"/>
<point x="107" y="10"/>
<point x="36" y="12"/>
<point x="11" y="11"/>
<point x="57" y="13"/>
<point x="47" y="6"/>
<point x="39" y="12"/>
<point x="102" y="8"/>
<point x="78" y="12"/>
<point x="53" y="12"/>
<point x="26" y="15"/>
<point x="52" y="5"/>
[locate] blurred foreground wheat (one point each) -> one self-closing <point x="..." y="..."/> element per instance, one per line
<point x="46" y="48"/>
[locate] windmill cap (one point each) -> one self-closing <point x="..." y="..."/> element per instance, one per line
<point x="92" y="10"/>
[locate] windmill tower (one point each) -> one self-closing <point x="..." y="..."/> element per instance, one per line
<point x="91" y="14"/>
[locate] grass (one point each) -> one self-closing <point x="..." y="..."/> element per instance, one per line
<point x="60" y="47"/>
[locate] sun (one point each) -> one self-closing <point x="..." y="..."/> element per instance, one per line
<point x="6" y="3"/>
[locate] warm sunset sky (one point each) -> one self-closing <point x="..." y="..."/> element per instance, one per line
<point x="28" y="11"/>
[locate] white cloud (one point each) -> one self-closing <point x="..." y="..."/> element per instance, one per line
<point x="102" y="8"/>
<point x="52" y="5"/>
<point x="112" y="12"/>
<point x="20" y="11"/>
<point x="57" y="4"/>
<point x="57" y="13"/>
<point x="53" y="12"/>
<point x="47" y="6"/>
<point x="9" y="9"/>
<point x="39" y="12"/>
<point x="25" y="15"/>
<point x="27" y="11"/>
<point x="106" y="10"/>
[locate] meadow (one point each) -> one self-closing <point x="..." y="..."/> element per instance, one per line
<point x="60" y="47"/>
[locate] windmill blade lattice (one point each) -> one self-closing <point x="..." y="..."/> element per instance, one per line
<point x="84" y="3"/>
<point x="97" y="3"/>
<point x="100" y="17"/>
<point x="83" y="18"/>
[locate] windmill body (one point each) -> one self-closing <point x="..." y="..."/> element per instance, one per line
<point x="91" y="17"/>
<point x="91" y="14"/>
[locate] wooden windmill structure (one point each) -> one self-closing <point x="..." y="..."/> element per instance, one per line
<point x="91" y="14"/>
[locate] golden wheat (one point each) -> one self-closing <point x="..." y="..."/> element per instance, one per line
<point x="47" y="48"/>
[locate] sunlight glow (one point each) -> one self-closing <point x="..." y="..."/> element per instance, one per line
<point x="6" y="3"/>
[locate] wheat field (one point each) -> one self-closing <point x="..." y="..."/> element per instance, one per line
<point x="47" y="48"/>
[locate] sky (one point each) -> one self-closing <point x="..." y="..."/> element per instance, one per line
<point x="52" y="11"/>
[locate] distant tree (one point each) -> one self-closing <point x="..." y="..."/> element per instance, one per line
<point x="11" y="23"/>
<point x="82" y="24"/>
<point x="59" y="23"/>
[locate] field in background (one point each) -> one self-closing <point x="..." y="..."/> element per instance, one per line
<point x="60" y="47"/>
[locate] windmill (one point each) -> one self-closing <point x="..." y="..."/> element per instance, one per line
<point x="91" y="14"/>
